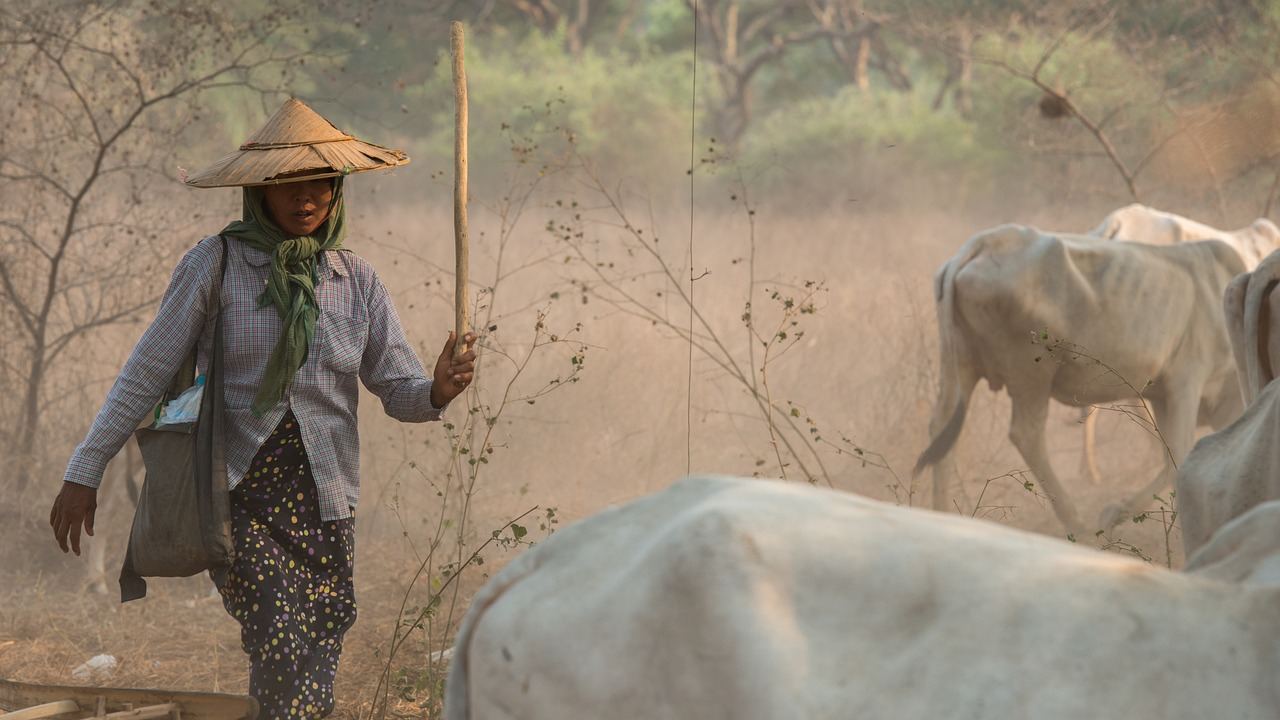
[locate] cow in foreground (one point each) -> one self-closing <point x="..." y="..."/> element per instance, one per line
<point x="762" y="600"/>
<point x="1237" y="468"/>
<point x="1083" y="322"/>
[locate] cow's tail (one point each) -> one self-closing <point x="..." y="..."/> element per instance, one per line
<point x="1247" y="303"/>
<point x="952" y="352"/>
<point x="457" y="688"/>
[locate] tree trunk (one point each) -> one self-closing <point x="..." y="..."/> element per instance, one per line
<point x="734" y="113"/>
<point x="886" y="63"/>
<point x="861" y="57"/>
<point x="575" y="31"/>
<point x="30" y="420"/>
<point x="627" y="20"/>
<point x="855" y="62"/>
<point x="953" y="73"/>
<point x="964" y="76"/>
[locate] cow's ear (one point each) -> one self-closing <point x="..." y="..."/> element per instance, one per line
<point x="1245" y="550"/>
<point x="1250" y="313"/>
<point x="1233" y="301"/>
<point x="1269" y="336"/>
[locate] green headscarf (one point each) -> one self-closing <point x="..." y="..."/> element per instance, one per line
<point x="291" y="286"/>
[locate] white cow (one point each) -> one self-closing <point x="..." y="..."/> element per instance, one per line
<point x="1139" y="223"/>
<point x="1151" y="314"/>
<point x="1237" y="468"/>
<point x="1231" y="471"/>
<point x="762" y="600"/>
<point x="1253" y="318"/>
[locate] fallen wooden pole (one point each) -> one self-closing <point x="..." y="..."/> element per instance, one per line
<point x="123" y="702"/>
<point x="150" y="712"/>
<point x="461" y="254"/>
<point x="45" y="710"/>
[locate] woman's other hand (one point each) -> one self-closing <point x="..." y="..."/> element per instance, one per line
<point x="73" y="507"/>
<point x="452" y="375"/>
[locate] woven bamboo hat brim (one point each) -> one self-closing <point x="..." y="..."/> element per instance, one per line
<point x="298" y="142"/>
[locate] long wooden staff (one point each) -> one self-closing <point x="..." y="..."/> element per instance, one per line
<point x="459" y="188"/>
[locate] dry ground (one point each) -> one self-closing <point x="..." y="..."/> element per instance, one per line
<point x="180" y="638"/>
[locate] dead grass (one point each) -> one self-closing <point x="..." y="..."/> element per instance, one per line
<point x="180" y="637"/>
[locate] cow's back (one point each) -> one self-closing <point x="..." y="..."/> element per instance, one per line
<point x="726" y="598"/>
<point x="1142" y="224"/>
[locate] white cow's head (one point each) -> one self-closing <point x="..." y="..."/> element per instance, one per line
<point x="1264" y="236"/>
<point x="1253" y="322"/>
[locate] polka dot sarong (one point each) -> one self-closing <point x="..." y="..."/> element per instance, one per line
<point x="291" y="586"/>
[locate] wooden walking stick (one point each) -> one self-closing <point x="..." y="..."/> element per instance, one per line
<point x="459" y="188"/>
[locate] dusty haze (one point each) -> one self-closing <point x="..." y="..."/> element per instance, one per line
<point x="581" y="316"/>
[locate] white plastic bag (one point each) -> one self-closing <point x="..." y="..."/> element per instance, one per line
<point x="98" y="667"/>
<point x="185" y="408"/>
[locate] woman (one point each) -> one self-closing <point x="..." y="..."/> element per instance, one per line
<point x="302" y="319"/>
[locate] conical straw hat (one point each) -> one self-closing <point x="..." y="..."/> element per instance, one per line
<point x="294" y="141"/>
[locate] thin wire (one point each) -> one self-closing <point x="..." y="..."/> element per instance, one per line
<point x="693" y="130"/>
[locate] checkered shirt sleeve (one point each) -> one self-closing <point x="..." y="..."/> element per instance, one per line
<point x="358" y="338"/>
<point x="154" y="361"/>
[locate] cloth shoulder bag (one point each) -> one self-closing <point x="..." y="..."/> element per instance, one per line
<point x="182" y="524"/>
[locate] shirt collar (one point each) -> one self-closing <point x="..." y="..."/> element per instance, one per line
<point x="332" y="260"/>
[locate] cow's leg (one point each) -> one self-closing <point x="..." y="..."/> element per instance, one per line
<point x="1175" y="418"/>
<point x="1089" y="455"/>
<point x="116" y="498"/>
<point x="1026" y="431"/>
<point x="953" y="398"/>
<point x="95" y="579"/>
<point x="1225" y="412"/>
<point x="96" y="569"/>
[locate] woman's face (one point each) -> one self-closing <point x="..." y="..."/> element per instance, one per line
<point x="298" y="208"/>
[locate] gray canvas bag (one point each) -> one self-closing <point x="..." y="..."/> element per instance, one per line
<point x="182" y="525"/>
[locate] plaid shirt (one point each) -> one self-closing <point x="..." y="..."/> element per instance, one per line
<point x="357" y="333"/>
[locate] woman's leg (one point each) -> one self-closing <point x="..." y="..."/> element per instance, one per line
<point x="291" y="585"/>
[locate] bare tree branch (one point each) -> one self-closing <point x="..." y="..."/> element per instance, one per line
<point x="74" y="88"/>
<point x="61" y="342"/>
<point x="15" y="297"/>
<point x="28" y="175"/>
<point x="1065" y="102"/>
